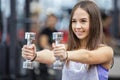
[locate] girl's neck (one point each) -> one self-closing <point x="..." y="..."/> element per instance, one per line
<point x="83" y="44"/>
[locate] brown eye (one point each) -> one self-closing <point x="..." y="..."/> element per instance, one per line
<point x="73" y="21"/>
<point x="83" y="20"/>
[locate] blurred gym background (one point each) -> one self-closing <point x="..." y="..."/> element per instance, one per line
<point x="44" y="17"/>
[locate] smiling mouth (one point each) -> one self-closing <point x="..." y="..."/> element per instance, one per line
<point x="80" y="32"/>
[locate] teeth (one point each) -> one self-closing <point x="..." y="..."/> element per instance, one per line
<point x="80" y="32"/>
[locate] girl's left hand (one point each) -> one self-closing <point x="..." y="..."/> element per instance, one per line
<point x="60" y="51"/>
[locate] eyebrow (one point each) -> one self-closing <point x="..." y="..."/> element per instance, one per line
<point x="80" y="18"/>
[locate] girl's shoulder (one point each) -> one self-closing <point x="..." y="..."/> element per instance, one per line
<point x="105" y="46"/>
<point x="102" y="45"/>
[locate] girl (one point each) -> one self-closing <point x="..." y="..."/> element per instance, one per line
<point x="86" y="56"/>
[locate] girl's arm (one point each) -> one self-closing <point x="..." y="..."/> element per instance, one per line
<point x="45" y="56"/>
<point x="99" y="56"/>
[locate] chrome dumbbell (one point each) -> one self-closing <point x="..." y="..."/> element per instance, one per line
<point x="30" y="36"/>
<point x="57" y="37"/>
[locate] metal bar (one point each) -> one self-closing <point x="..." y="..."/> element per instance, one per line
<point x="27" y="15"/>
<point x="115" y="19"/>
<point x="13" y="39"/>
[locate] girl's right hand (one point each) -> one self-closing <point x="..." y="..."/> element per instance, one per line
<point x="29" y="52"/>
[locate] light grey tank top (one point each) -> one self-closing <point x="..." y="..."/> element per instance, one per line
<point x="79" y="71"/>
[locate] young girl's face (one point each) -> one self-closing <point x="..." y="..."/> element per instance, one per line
<point x="80" y="23"/>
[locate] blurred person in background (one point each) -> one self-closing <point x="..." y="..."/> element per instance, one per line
<point x="86" y="57"/>
<point x="46" y="32"/>
<point x="45" y="41"/>
<point x="107" y="23"/>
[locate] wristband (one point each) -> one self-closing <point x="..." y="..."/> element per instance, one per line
<point x="34" y="58"/>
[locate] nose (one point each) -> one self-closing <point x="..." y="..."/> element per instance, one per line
<point x="78" y="25"/>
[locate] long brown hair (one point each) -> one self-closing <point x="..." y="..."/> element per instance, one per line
<point x="95" y="30"/>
